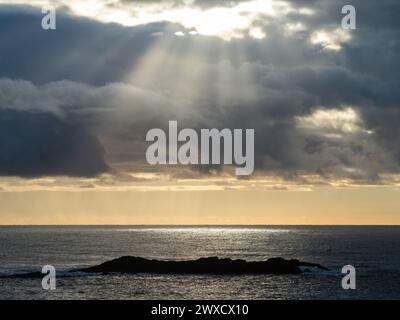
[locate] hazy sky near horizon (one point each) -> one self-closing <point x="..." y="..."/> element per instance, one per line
<point x="376" y="206"/>
<point x="76" y="104"/>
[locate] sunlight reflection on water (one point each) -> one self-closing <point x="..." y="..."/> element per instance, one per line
<point x="204" y="230"/>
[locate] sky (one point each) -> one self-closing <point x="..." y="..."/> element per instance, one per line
<point x="76" y="104"/>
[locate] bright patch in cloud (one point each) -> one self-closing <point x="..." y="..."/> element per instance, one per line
<point x="332" y="123"/>
<point x="225" y="22"/>
<point x="330" y="40"/>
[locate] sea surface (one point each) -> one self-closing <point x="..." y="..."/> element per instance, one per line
<point x="373" y="251"/>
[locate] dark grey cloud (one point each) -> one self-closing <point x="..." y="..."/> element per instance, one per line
<point x="79" y="50"/>
<point x="39" y="144"/>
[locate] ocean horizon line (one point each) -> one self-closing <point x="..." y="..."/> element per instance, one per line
<point x="200" y="225"/>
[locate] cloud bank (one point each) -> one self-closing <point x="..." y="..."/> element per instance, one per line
<point x="78" y="101"/>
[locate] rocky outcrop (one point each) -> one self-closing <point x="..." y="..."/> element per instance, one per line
<point x="212" y="265"/>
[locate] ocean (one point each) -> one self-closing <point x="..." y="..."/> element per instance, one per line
<point x="373" y="250"/>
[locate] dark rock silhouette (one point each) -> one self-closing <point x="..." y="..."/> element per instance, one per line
<point x="212" y="265"/>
